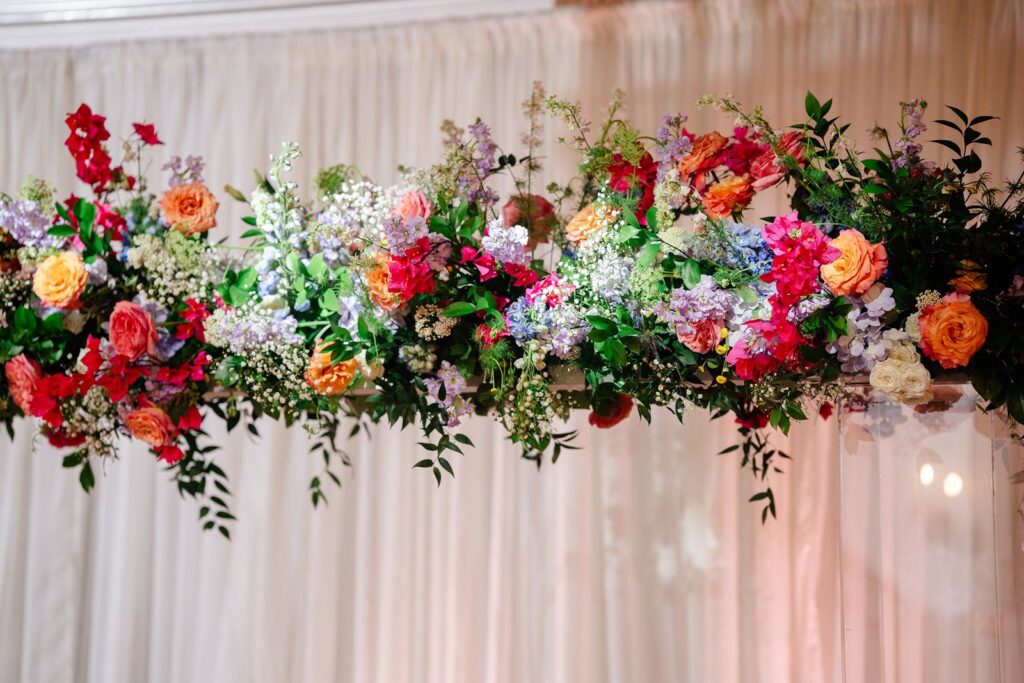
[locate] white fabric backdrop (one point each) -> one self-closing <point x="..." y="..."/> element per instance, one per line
<point x="635" y="559"/>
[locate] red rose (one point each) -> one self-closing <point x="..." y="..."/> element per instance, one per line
<point x="533" y="212"/>
<point x="611" y="412"/>
<point x="132" y="332"/>
<point x="23" y="378"/>
<point x="61" y="438"/>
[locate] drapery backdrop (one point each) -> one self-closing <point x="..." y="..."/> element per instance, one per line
<point x="636" y="558"/>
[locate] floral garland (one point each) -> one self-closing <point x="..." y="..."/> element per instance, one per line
<point x="430" y="300"/>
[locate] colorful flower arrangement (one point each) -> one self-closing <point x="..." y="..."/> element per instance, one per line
<point x="636" y="284"/>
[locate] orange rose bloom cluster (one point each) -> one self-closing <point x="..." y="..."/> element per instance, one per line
<point x="151" y="425"/>
<point x="702" y="154"/>
<point x="327" y="378"/>
<point x="969" y="278"/>
<point x="952" y="331"/>
<point x="859" y="265"/>
<point x="591" y="221"/>
<point x="731" y="194"/>
<point x="190" y="209"/>
<point x="60" y="279"/>
<point x="377" y="279"/>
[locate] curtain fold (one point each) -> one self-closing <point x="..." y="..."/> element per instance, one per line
<point x="637" y="558"/>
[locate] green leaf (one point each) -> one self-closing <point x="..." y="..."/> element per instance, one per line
<point x="235" y="194"/>
<point x="249" y="220"/>
<point x="248" y="234"/>
<point x="329" y="301"/>
<point x="690" y="272"/>
<point x="458" y="309"/>
<point x="62" y="230"/>
<point x="247" y="278"/>
<point x="317" y="267"/>
<point x="811" y="105"/>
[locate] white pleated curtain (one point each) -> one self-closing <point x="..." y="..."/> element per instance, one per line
<point x="636" y="558"/>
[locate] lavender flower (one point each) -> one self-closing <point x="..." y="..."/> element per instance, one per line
<point x="559" y="330"/>
<point x="27" y="224"/>
<point x="912" y="124"/>
<point x="455" y="405"/>
<point x="672" y="143"/>
<point x="403" y="234"/>
<point x="864" y="344"/>
<point x="507" y="245"/>
<point x="687" y="307"/>
<point x="183" y="173"/>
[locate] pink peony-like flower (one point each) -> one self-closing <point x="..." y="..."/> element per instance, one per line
<point x="414" y="204"/>
<point x="553" y="291"/>
<point x="23" y="377"/>
<point x="703" y="338"/>
<point x="767" y="169"/>
<point x="131" y="332"/>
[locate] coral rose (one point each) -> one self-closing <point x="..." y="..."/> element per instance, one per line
<point x="534" y="212"/>
<point x="969" y="278"/>
<point x="151" y="425"/>
<point x="23" y="377"/>
<point x="705" y="336"/>
<point x="767" y="169"/>
<point x="414" y="204"/>
<point x="190" y="209"/>
<point x="590" y="222"/>
<point x="952" y="330"/>
<point x="703" y="155"/>
<point x="378" y="277"/>
<point x="326" y="377"/>
<point x="612" y="412"/>
<point x="859" y="265"/>
<point x="722" y="199"/>
<point x="60" y="279"/>
<point x="131" y="330"/>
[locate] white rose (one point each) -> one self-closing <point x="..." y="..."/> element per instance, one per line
<point x="916" y="384"/>
<point x="885" y="377"/>
<point x="904" y="353"/>
<point x="913" y="328"/>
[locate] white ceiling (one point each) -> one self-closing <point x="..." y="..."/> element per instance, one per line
<point x="49" y="23"/>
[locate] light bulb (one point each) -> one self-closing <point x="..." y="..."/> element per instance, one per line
<point x="927" y="474"/>
<point x="952" y="485"/>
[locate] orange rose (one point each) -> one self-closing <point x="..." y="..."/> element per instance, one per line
<point x="189" y="209"/>
<point x="952" y="330"/>
<point x="60" y="279"/>
<point x="705" y="336"/>
<point x="326" y="377"/>
<point x="23" y="377"/>
<point x="151" y="425"/>
<point x="723" y="198"/>
<point x="591" y="221"/>
<point x="702" y="154"/>
<point x="969" y="278"/>
<point x="859" y="265"/>
<point x="377" y="279"/>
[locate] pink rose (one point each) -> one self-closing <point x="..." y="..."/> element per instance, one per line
<point x="414" y="204"/>
<point x="705" y="336"/>
<point x="534" y="213"/>
<point x="767" y="170"/>
<point x="132" y="332"/>
<point x="23" y="377"/>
